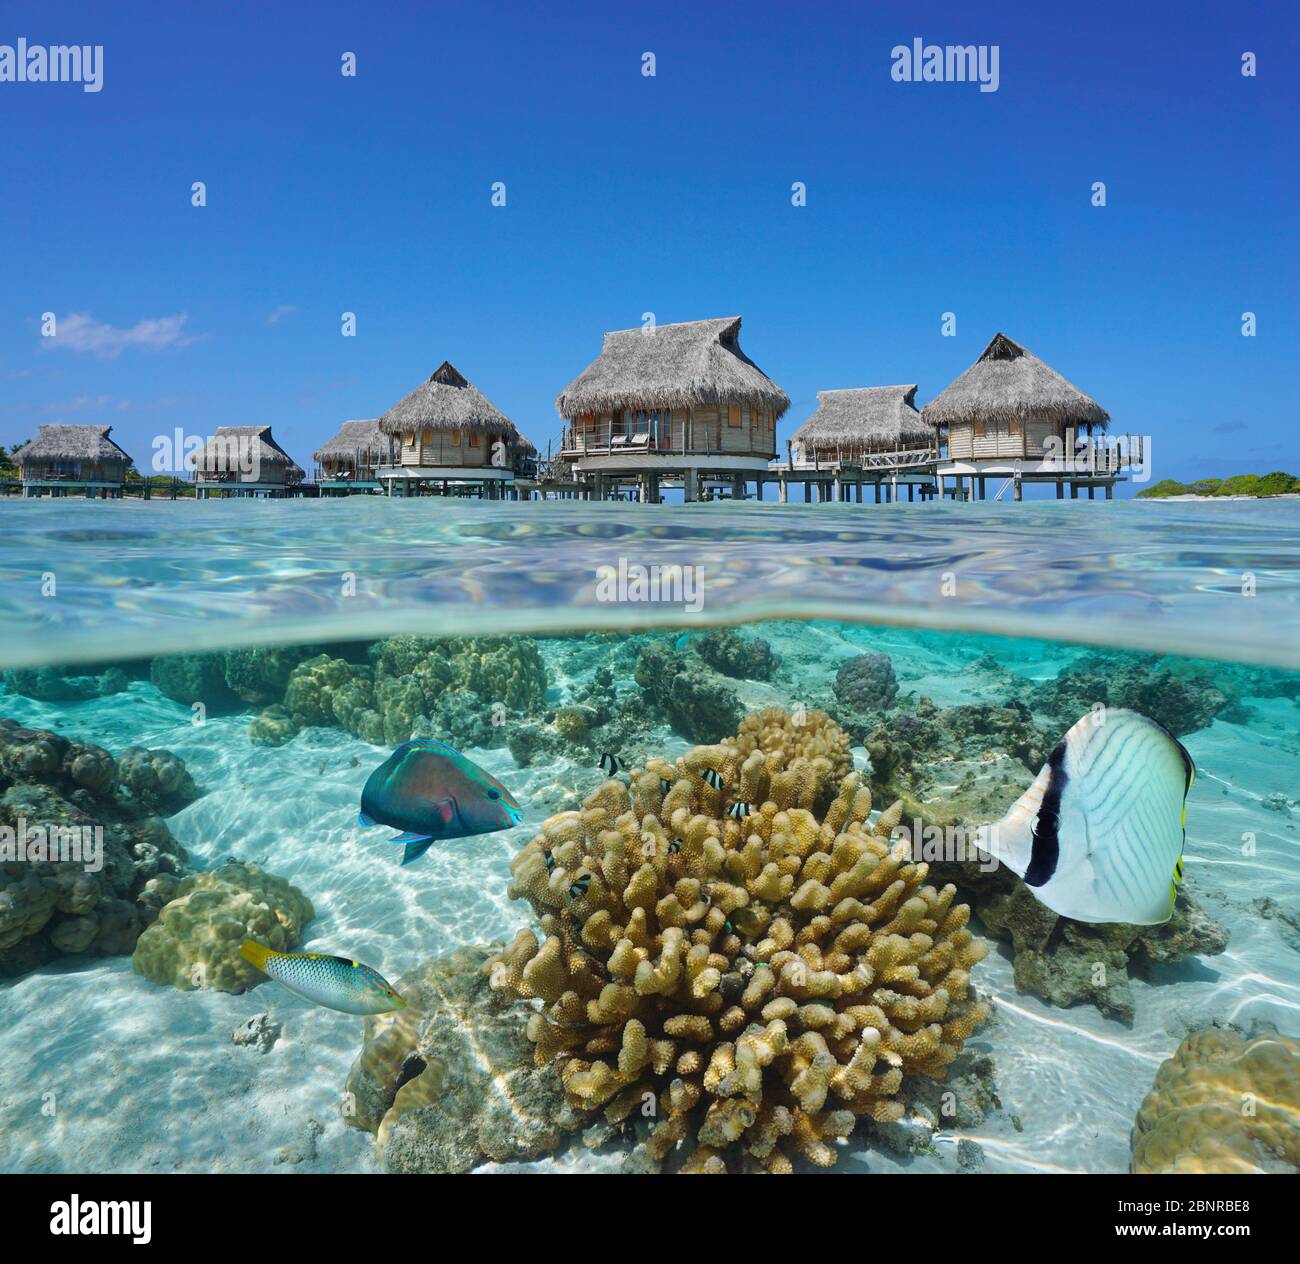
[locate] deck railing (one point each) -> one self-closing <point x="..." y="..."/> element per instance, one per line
<point x="850" y="459"/>
<point x="578" y="441"/>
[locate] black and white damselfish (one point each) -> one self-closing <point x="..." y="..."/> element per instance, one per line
<point x="1099" y="835"/>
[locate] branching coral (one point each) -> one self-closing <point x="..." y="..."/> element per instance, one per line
<point x="1222" y="1104"/>
<point x="730" y="941"/>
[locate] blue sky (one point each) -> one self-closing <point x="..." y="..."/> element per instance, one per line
<point x="627" y="194"/>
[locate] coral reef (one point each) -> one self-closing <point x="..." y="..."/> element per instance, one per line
<point x="257" y="675"/>
<point x="599" y="719"/>
<point x="867" y="683"/>
<point x="191" y="678"/>
<point x="954" y="765"/>
<point x="56" y="684"/>
<point x="1180" y="697"/>
<point x="744" y="657"/>
<point x="57" y="790"/>
<point x="448" y="1082"/>
<point x="194" y="944"/>
<point x="156" y="778"/>
<point x="1222" y="1104"/>
<point x="465" y="690"/>
<point x="694" y="700"/>
<point x="729" y="942"/>
<point x="1067" y="962"/>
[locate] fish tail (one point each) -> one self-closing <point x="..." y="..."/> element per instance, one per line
<point x="413" y="851"/>
<point x="255" y="953"/>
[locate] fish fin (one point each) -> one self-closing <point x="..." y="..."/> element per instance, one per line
<point x="255" y="953"/>
<point x="412" y="837"/>
<point x="433" y="743"/>
<point x="415" y="850"/>
<point x="1011" y="839"/>
<point x="363" y="819"/>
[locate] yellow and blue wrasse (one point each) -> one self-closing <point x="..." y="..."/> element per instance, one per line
<point x="429" y="791"/>
<point x="335" y="982"/>
<point x="1099" y="835"/>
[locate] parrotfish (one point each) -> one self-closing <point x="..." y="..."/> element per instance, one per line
<point x="429" y="790"/>
<point x="334" y="982"/>
<point x="1099" y="835"/>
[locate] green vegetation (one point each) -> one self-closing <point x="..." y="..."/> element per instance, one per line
<point x="159" y="483"/>
<point x="1275" y="484"/>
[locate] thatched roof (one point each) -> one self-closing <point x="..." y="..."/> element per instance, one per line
<point x="447" y="401"/>
<point x="353" y="437"/>
<point x="672" y="366"/>
<point x="216" y="455"/>
<point x="59" y="442"/>
<point x="1007" y="382"/>
<point x="881" y="417"/>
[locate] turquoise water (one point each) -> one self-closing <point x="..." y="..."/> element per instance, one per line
<point x="168" y="575"/>
<point x="115" y="619"/>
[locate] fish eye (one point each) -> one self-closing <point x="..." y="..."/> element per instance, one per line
<point x="493" y="793"/>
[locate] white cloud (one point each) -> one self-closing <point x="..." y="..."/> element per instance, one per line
<point x="279" y="313"/>
<point x="80" y="331"/>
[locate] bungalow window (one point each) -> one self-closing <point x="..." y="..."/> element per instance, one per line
<point x="981" y="428"/>
<point x="1013" y="427"/>
<point x="409" y="440"/>
<point x="473" y="439"/>
<point x="455" y="438"/>
<point x="733" y="416"/>
<point x="426" y="438"/>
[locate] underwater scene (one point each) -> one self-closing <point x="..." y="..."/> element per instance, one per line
<point x="436" y="838"/>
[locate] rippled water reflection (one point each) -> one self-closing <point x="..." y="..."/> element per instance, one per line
<point x="140" y="578"/>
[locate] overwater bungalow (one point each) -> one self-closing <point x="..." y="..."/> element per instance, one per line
<point x="451" y="440"/>
<point x="1013" y="419"/>
<point x="351" y="460"/>
<point x="867" y="436"/>
<point x="245" y="461"/>
<point x="671" y="403"/>
<point x="64" y="460"/>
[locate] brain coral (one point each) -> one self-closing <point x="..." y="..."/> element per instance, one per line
<point x="194" y="944"/>
<point x="730" y="939"/>
<point x="1222" y="1104"/>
